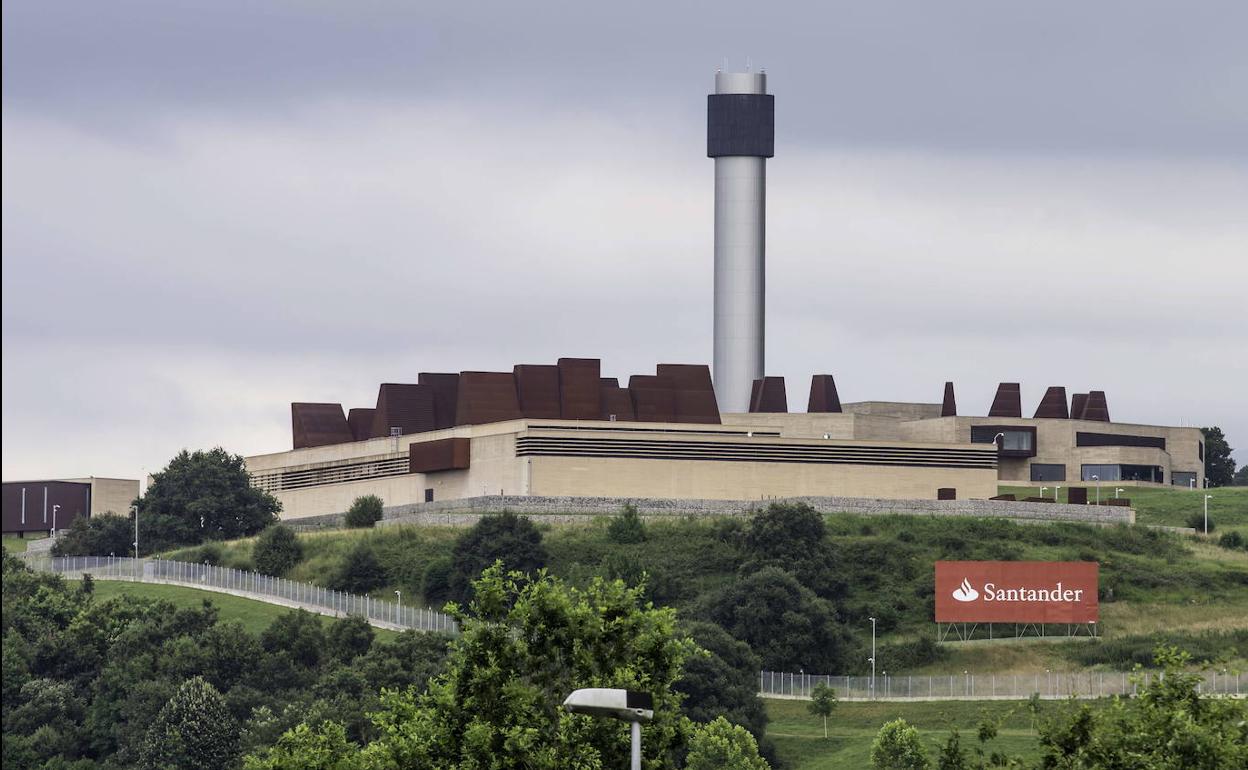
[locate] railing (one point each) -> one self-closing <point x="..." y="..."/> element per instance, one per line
<point x="967" y="686"/>
<point x="249" y="584"/>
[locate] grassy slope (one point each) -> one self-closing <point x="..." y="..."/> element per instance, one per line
<point x="1170" y="507"/>
<point x="14" y="544"/>
<point x="255" y="616"/>
<point x="852" y="727"/>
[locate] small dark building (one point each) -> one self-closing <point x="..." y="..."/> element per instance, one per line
<point x="41" y="506"/>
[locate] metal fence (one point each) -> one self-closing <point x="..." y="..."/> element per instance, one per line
<point x="967" y="686"/>
<point x="251" y="584"/>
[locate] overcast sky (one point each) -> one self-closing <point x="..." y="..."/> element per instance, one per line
<point x="212" y="209"/>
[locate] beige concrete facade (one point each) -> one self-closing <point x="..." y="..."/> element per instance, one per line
<point x="111" y="495"/>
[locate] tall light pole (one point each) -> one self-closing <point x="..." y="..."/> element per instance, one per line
<point x="1097" y="479"/>
<point x="1207" y="499"/>
<point x="626" y="705"/>
<point x="872" y="658"/>
<point x="135" y="508"/>
<point x="1117" y="491"/>
<point x="1056" y="489"/>
<point x="54" y="508"/>
<point x="398" y="601"/>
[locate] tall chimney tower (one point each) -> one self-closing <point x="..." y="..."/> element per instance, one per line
<point x="740" y="136"/>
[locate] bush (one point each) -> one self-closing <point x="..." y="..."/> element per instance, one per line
<point x="360" y="572"/>
<point x="505" y="537"/>
<point x="100" y="535"/>
<point x="627" y="527"/>
<point x="364" y="511"/>
<point x="898" y="746"/>
<point x="435" y="583"/>
<point x="277" y="550"/>
<point x="210" y="553"/>
<point x="1233" y="540"/>
<point x="1197" y="521"/>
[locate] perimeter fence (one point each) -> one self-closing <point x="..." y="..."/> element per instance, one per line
<point x="968" y="686"/>
<point x="275" y="590"/>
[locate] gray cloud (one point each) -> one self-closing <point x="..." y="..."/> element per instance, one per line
<point x="210" y="211"/>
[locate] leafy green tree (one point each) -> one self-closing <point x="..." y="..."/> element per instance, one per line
<point x="792" y="537"/>
<point x="98" y="535"/>
<point x="297" y="634"/>
<point x="722" y="681"/>
<point x="822" y="703"/>
<point x="365" y="511"/>
<point x="305" y="748"/>
<point x="1219" y="465"/>
<point x="785" y="623"/>
<point x="203" y="496"/>
<point x="360" y="572"/>
<point x="721" y="745"/>
<point x="349" y="638"/>
<point x="505" y="537"/>
<point x="1240" y="479"/>
<point x="194" y="729"/>
<point x="1167" y="727"/>
<point x="435" y="582"/>
<point x="525" y="644"/>
<point x="897" y="746"/>
<point x="627" y="527"/>
<point x="277" y="550"/>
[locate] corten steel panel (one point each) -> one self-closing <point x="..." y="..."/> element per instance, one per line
<point x="448" y="454"/>
<point x="360" y="420"/>
<point x="769" y="396"/>
<point x="318" y="425"/>
<point x="1008" y="401"/>
<point x="537" y="388"/>
<point x="617" y="401"/>
<point x="404" y="406"/>
<point x="654" y="398"/>
<point x="578" y="388"/>
<point x="65" y="500"/>
<point x="823" y="395"/>
<point x="487" y="397"/>
<point x="949" y="404"/>
<point x="445" y="388"/>
<point x="947" y="493"/>
<point x="1078" y="403"/>
<point x="695" y="395"/>
<point x="609" y="382"/>
<point x="1077" y="495"/>
<point x="980" y="583"/>
<point x="1053" y="405"/>
<point x="1097" y="407"/>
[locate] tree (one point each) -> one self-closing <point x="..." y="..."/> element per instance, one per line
<point x="1167" y="727"/>
<point x="785" y="624"/>
<point x="721" y="745"/>
<point x="792" y="536"/>
<point x="203" y="496"/>
<point x="99" y="535"/>
<point x="305" y="748"/>
<point x="1219" y="465"/>
<point x="194" y="729"/>
<point x="277" y="550"/>
<point x="627" y="527"/>
<point x="505" y="537"/>
<point x="897" y="746"/>
<point x="360" y="572"/>
<point x="1240" y="479"/>
<point x="349" y="638"/>
<point x="365" y="511"/>
<point x="723" y="680"/>
<point x="822" y="703"/>
<point x="435" y="582"/>
<point x="526" y="643"/>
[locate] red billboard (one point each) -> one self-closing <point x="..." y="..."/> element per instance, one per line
<point x="1016" y="591"/>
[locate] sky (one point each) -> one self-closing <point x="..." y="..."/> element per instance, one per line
<point x="211" y="210"/>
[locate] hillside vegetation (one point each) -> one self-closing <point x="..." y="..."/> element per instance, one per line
<point x="1156" y="586"/>
<point x="1171" y="507"/>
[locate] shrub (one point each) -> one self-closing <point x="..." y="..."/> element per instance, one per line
<point x="721" y="745"/>
<point x="435" y="583"/>
<point x="1233" y="540"/>
<point x="210" y="553"/>
<point x="360" y="572"/>
<point x="349" y="638"/>
<point x="898" y="746"/>
<point x="277" y="550"/>
<point x="364" y="511"/>
<point x="1197" y="521"/>
<point x="100" y="535"/>
<point x="627" y="527"/>
<point x="505" y="537"/>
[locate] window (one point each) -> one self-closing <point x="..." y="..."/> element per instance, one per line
<point x="1102" y="472"/>
<point x="1014" y="442"/>
<point x="1200" y="450"/>
<point x="1183" y="478"/>
<point x="1111" y="439"/>
<point x="1048" y="472"/>
<point x="428" y="495"/>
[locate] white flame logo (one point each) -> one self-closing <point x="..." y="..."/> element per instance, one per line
<point x="964" y="592"/>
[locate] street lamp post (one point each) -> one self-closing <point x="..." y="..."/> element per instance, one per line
<point x="1207" y="499"/>
<point x="54" y="509"/>
<point x="135" y="508"/>
<point x="398" y="606"/>
<point x="872" y="658"/>
<point x="1097" y="479"/>
<point x="1056" y="489"/>
<point x="625" y="705"/>
<point x="1043" y="490"/>
<point x="1117" y="491"/>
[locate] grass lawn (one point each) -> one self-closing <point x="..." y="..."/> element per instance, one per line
<point x="852" y="727"/>
<point x="255" y="616"/>
<point x="14" y="544"/>
<point x="1170" y="507"/>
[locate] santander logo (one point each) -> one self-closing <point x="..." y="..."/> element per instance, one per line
<point x="965" y="593"/>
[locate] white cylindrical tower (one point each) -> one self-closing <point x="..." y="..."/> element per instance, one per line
<point x="740" y="136"/>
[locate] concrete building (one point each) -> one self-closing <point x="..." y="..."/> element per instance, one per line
<point x="54" y="504"/>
